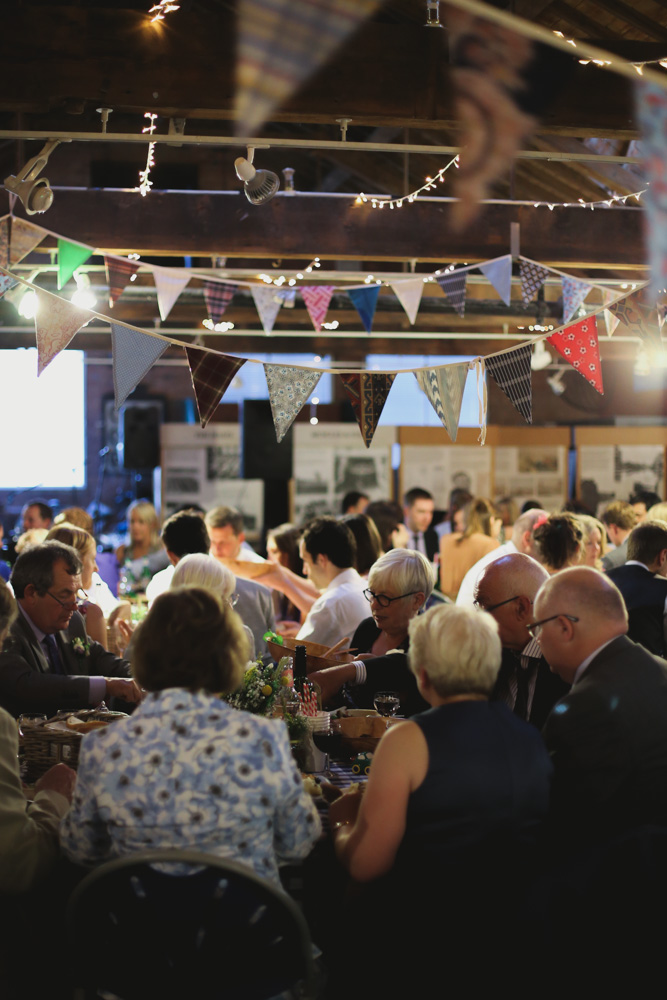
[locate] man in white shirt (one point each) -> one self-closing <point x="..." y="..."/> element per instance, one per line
<point x="328" y="551"/>
<point x="225" y="529"/>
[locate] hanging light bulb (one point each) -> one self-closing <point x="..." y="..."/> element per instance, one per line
<point x="83" y="296"/>
<point x="28" y="305"/>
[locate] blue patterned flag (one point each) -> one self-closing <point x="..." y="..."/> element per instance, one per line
<point x="444" y="389"/>
<point x="365" y="301"/>
<point x="289" y="388"/>
<point x="134" y="354"/>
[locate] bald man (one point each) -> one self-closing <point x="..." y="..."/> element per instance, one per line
<point x="608" y="736"/>
<point x="506" y="589"/>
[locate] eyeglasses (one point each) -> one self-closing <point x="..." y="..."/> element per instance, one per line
<point x="233" y="600"/>
<point x="385" y="601"/>
<point x="72" y="602"/>
<point x="536" y="627"/>
<point x="482" y="607"/>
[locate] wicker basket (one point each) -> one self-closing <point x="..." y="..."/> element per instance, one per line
<point x="42" y="747"/>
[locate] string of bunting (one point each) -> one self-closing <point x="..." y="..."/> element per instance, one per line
<point x="135" y="351"/>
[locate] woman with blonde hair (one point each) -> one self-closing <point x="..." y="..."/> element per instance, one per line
<point x="144" y="532"/>
<point x="460" y="550"/>
<point x="594" y="541"/>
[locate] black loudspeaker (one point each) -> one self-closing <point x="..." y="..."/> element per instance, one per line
<point x="264" y="458"/>
<point x="139" y="435"/>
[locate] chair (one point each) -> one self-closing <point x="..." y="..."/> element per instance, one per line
<point x="141" y="929"/>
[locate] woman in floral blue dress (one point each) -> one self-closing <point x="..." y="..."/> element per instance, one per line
<point x="187" y="770"/>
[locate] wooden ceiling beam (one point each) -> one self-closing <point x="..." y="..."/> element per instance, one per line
<point x="633" y="17"/>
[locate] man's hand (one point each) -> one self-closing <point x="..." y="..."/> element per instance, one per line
<point x="288" y="628"/>
<point x="125" y="689"/>
<point x="331" y="679"/>
<point x="59" y="778"/>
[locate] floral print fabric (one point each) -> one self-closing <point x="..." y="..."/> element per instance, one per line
<point x="189" y="771"/>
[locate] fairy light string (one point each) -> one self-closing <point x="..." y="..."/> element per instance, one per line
<point x="430" y="184"/>
<point x="145" y="183"/>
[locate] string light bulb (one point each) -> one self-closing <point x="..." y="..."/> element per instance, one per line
<point x="145" y="184"/>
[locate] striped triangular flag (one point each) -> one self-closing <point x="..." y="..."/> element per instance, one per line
<point x="211" y="375"/>
<point x="444" y="389"/>
<point x="317" y="299"/>
<point x="367" y="391"/>
<point x="453" y="285"/>
<point x="511" y="371"/>
<point x="119" y="272"/>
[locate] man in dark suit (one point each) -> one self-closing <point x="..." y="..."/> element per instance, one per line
<point x="48" y="662"/>
<point x="506" y="589"/>
<point x="619" y="518"/>
<point x="418" y="509"/>
<point x="644" y="592"/>
<point x="608" y="736"/>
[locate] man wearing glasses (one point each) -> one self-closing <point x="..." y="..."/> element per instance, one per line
<point x="48" y="662"/>
<point x="608" y="736"/>
<point x="506" y="589"/>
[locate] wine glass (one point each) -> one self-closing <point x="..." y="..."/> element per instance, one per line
<point x="324" y="739"/>
<point x="387" y="702"/>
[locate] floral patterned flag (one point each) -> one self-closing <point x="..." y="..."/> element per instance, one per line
<point x="4" y="242"/>
<point x="367" y="391"/>
<point x="267" y="304"/>
<point x="168" y="284"/>
<point x="134" y="354"/>
<point x="444" y="389"/>
<point x="211" y="375"/>
<point x="511" y="371"/>
<point x="409" y="294"/>
<point x="364" y="301"/>
<point x="454" y="287"/>
<point x="119" y="272"/>
<point x="574" y="293"/>
<point x="289" y="388"/>
<point x="317" y="299"/>
<point x="56" y="322"/>
<point x="6" y="283"/>
<point x="578" y="344"/>
<point x="70" y="256"/>
<point x="639" y="314"/>
<point x="24" y="237"/>
<point x="217" y="297"/>
<point x="499" y="274"/>
<point x="533" y="277"/>
<point x="280" y="44"/>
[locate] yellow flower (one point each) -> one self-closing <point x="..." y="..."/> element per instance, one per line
<point x="267" y="689"/>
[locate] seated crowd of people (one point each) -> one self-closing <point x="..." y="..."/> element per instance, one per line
<point x="527" y="652"/>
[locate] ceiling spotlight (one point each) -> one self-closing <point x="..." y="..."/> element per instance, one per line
<point x="34" y="194"/>
<point x="540" y="358"/>
<point x="259" y="185"/>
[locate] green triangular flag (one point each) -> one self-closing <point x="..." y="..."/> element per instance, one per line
<point x="70" y="256"/>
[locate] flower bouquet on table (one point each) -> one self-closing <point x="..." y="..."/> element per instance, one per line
<point x="261" y="693"/>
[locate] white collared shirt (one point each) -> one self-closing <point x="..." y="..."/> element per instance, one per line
<point x="337" y="612"/>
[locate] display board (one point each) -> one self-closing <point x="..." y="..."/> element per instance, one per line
<point x="615" y="462"/>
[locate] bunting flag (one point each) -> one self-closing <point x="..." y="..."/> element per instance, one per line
<point x="70" y="256"/>
<point x="267" y="304"/>
<point x="280" y="43"/>
<point x="134" y="354"/>
<point x="409" y="294"/>
<point x="443" y="388"/>
<point x="651" y="107"/>
<point x="367" y="391"/>
<point x="288" y="297"/>
<point x="574" y="293"/>
<point x="119" y="272"/>
<point x="317" y="299"/>
<point x="24" y="237"/>
<point x="638" y="312"/>
<point x="578" y="344"/>
<point x="499" y="274"/>
<point x="56" y="322"/>
<point x="6" y="283"/>
<point x="611" y="322"/>
<point x="211" y="375"/>
<point x="217" y="297"/>
<point x="364" y="301"/>
<point x="511" y="372"/>
<point x="4" y="242"/>
<point x="289" y="388"/>
<point x="168" y="284"/>
<point x="533" y="277"/>
<point x="454" y="287"/>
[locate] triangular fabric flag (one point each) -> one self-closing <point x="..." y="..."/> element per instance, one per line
<point x="533" y="277"/>
<point x="288" y="296"/>
<point x="499" y="274"/>
<point x="444" y="389"/>
<point x="56" y="322"/>
<point x="24" y="237"/>
<point x="119" y="272"/>
<point x="134" y="354"/>
<point x="639" y="314"/>
<point x="511" y="371"/>
<point x="280" y="43"/>
<point x="317" y="299"/>
<point x="211" y="375"/>
<point x="454" y="287"/>
<point x="4" y="242"/>
<point x="367" y="391"/>
<point x="267" y="304"/>
<point x="409" y="294"/>
<point x="70" y="256"/>
<point x="168" y="285"/>
<point x="611" y="322"/>
<point x="364" y="301"/>
<point x="578" y="344"/>
<point x="217" y="297"/>
<point x="6" y="282"/>
<point x="289" y="388"/>
<point x="574" y="293"/>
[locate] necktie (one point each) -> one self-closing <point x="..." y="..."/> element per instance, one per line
<point x="53" y="654"/>
<point x="419" y="542"/>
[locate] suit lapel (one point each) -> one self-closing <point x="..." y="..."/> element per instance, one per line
<point x="29" y="640"/>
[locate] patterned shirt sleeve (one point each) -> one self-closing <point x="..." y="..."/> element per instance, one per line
<point x="84" y="837"/>
<point x="297" y="823"/>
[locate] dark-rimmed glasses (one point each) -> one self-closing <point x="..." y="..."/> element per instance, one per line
<point x="385" y="601"/>
<point x="536" y="627"/>
<point x="481" y="607"/>
<point x="80" y="595"/>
